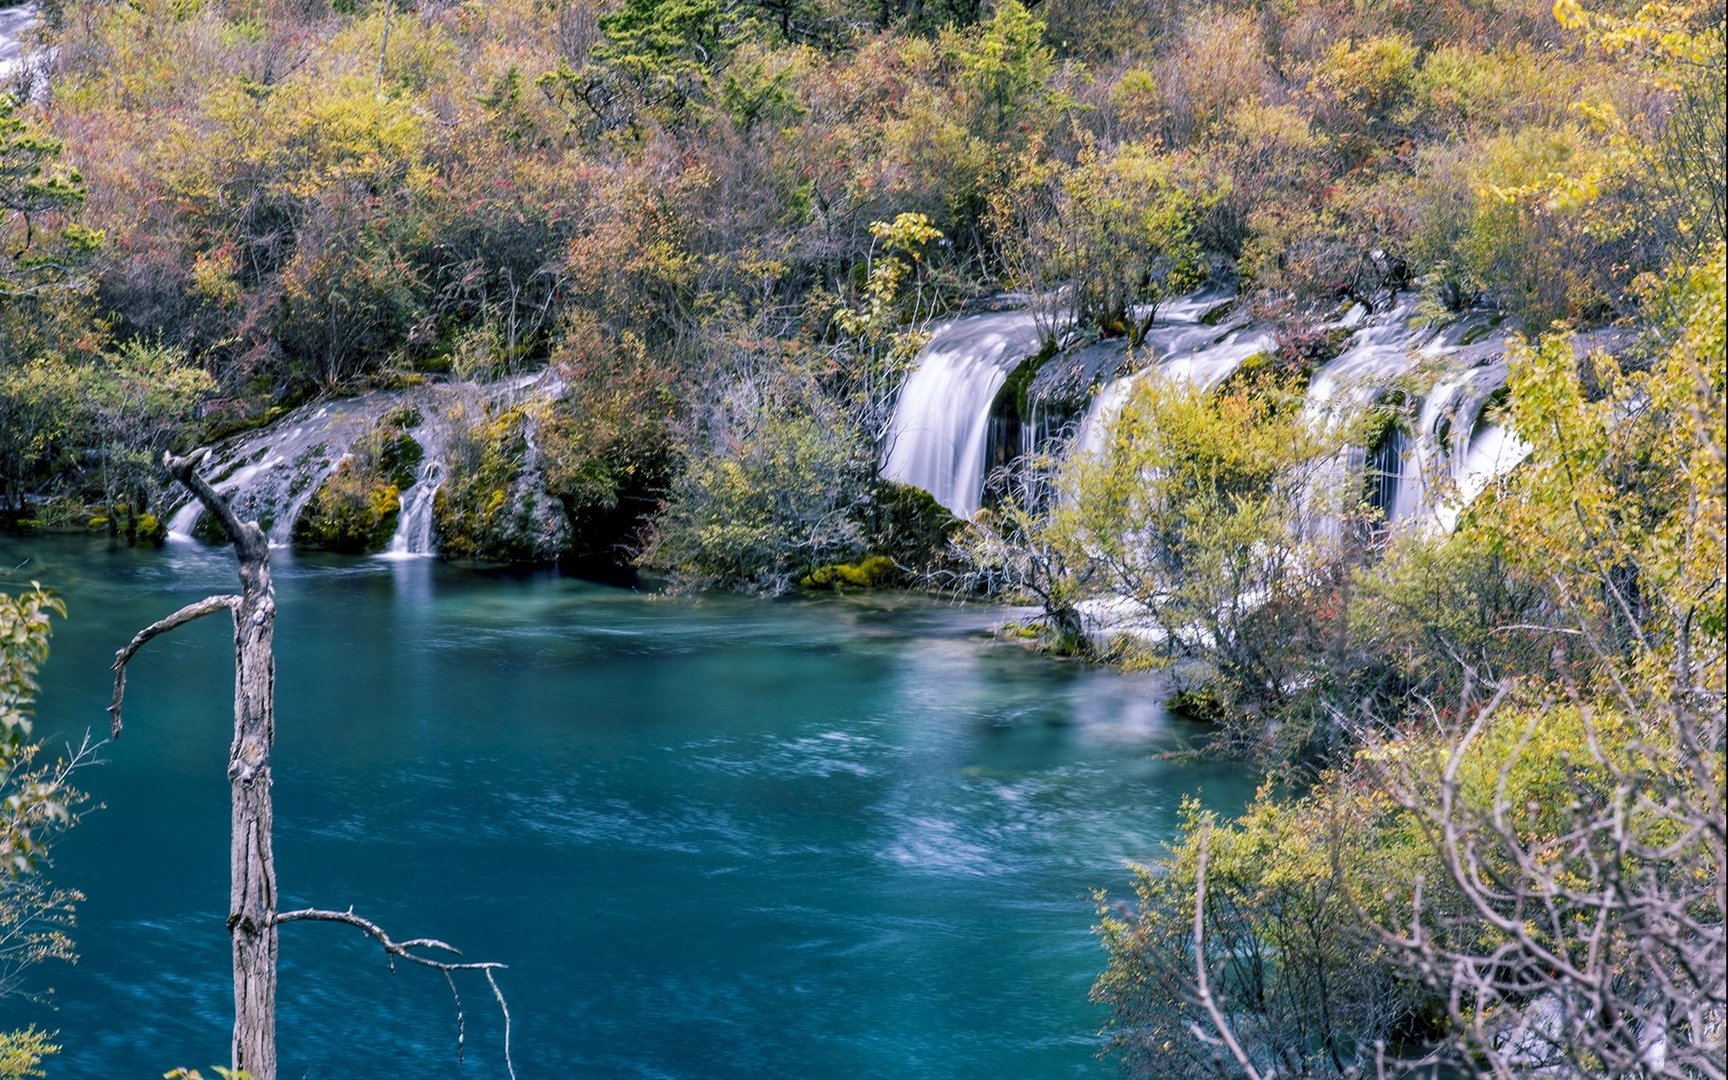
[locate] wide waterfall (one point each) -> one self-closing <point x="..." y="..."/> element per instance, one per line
<point x="1427" y="467"/>
<point x="270" y="475"/>
<point x="937" y="439"/>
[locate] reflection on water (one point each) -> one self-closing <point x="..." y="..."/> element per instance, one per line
<point x="714" y="838"/>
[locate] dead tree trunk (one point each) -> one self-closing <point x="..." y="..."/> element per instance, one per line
<point x="252" y="917"/>
<point x="251" y="868"/>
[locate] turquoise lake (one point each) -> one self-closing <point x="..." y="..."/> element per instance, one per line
<point x="714" y="838"/>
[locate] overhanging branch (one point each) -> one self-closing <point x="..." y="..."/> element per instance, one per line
<point x="402" y="949"/>
<point x="180" y="618"/>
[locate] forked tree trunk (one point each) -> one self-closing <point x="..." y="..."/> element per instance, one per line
<point x="252" y="915"/>
<point x="252" y="928"/>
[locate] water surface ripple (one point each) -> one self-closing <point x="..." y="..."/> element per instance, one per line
<point x="843" y="838"/>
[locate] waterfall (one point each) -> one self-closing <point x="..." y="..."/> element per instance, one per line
<point x="1492" y="453"/>
<point x="270" y="475"/>
<point x="1422" y="474"/>
<point x="413" y="537"/>
<point x="414" y="524"/>
<point x="14" y="24"/>
<point x="936" y="440"/>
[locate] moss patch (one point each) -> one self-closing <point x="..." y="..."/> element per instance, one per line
<point x="1202" y="703"/>
<point x="354" y="512"/>
<point x="908" y="526"/>
<point x="873" y="571"/>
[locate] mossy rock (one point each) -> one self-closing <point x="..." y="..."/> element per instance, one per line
<point x="871" y="572"/>
<point x="1202" y="703"/>
<point x="1475" y="334"/>
<point x="1306" y="351"/>
<point x="152" y="530"/>
<point x="402" y="417"/>
<point x="208" y="530"/>
<point x="398" y="457"/>
<point x="909" y="526"/>
<point x="353" y="513"/>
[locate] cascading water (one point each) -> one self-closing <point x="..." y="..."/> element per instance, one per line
<point x="1434" y="463"/>
<point x="414" y="524"/>
<point x="1493" y="452"/>
<point x="941" y="423"/>
<point x="14" y="24"/>
<point x="413" y="537"/>
<point x="270" y="475"/>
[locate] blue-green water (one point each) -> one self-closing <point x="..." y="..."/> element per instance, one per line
<point x="825" y="838"/>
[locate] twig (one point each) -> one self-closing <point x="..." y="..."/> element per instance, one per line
<point x="1202" y="987"/>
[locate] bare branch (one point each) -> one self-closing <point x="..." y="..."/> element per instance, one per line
<point x="246" y="536"/>
<point x="206" y="606"/>
<point x="402" y="949"/>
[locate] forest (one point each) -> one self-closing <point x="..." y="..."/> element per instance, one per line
<point x="642" y="290"/>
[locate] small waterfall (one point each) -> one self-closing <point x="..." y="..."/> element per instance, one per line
<point x="14" y="24"/>
<point x="270" y="475"/>
<point x="1494" y="451"/>
<point x="414" y="523"/>
<point x="941" y="422"/>
<point x="1385" y="466"/>
<point x="413" y="538"/>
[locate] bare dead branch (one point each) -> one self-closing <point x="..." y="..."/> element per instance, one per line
<point x="1202" y="987"/>
<point x="403" y="950"/>
<point x="244" y="535"/>
<point x="206" y="606"/>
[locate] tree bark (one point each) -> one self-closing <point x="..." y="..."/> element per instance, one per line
<point x="252" y="868"/>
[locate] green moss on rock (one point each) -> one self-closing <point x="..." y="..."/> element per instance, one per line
<point x="873" y="571"/>
<point x="354" y="512"/>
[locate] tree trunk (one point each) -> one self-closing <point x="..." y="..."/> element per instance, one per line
<point x="252" y="914"/>
<point x="252" y="926"/>
<point x="252" y="869"/>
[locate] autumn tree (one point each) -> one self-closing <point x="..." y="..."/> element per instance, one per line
<point x="136" y="398"/>
<point x="39" y="248"/>
<point x="37" y="805"/>
<point x="1526" y="875"/>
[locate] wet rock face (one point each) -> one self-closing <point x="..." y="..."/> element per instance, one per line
<point x="368" y="474"/>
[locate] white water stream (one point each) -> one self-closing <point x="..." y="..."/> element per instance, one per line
<point x="1448" y="457"/>
<point x="15" y="23"/>
<point x="936" y="441"/>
